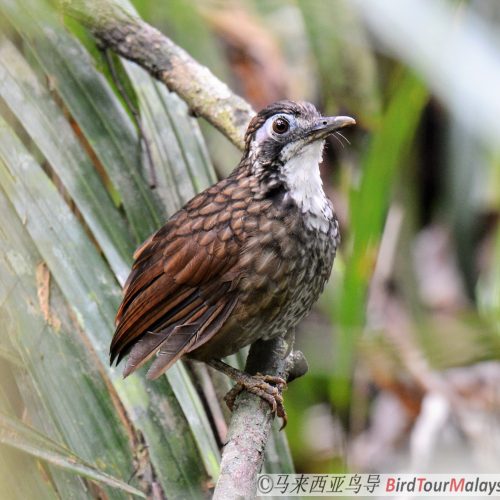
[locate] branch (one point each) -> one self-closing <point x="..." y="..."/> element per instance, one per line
<point x="132" y="38"/>
<point x="250" y="425"/>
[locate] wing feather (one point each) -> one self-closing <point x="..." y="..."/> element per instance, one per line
<point x="179" y="292"/>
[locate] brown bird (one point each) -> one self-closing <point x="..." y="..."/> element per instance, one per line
<point x="244" y="260"/>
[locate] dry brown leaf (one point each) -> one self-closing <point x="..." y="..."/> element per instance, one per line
<point x="43" y="292"/>
<point x="43" y="289"/>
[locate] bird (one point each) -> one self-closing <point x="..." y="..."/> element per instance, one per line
<point x="244" y="260"/>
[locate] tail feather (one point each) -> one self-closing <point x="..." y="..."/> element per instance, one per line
<point x="145" y="348"/>
<point x="187" y="337"/>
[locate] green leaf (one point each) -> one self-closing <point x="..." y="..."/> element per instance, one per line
<point x="97" y="111"/>
<point x="13" y="462"/>
<point x="46" y="125"/>
<point x="190" y="402"/>
<point x="61" y="386"/>
<point x="368" y="207"/>
<point x="178" y="152"/>
<point x="489" y="288"/>
<point x="15" y="433"/>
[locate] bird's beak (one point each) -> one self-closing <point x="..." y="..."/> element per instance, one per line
<point x="326" y="125"/>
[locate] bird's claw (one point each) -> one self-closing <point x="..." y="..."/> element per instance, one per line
<point x="267" y="387"/>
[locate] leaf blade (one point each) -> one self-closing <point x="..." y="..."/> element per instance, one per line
<point x="16" y="434"/>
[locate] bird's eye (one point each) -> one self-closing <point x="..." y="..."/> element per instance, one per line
<point x="280" y="125"/>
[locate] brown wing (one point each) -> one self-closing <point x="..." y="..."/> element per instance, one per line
<point x="182" y="285"/>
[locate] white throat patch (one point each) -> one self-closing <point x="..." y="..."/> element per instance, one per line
<point x="301" y="174"/>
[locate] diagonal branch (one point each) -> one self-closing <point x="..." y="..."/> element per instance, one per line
<point x="134" y="39"/>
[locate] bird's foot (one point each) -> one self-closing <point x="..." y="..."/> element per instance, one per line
<point x="267" y="387"/>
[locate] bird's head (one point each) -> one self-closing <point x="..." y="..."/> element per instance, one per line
<point x="284" y="147"/>
<point x="287" y="129"/>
